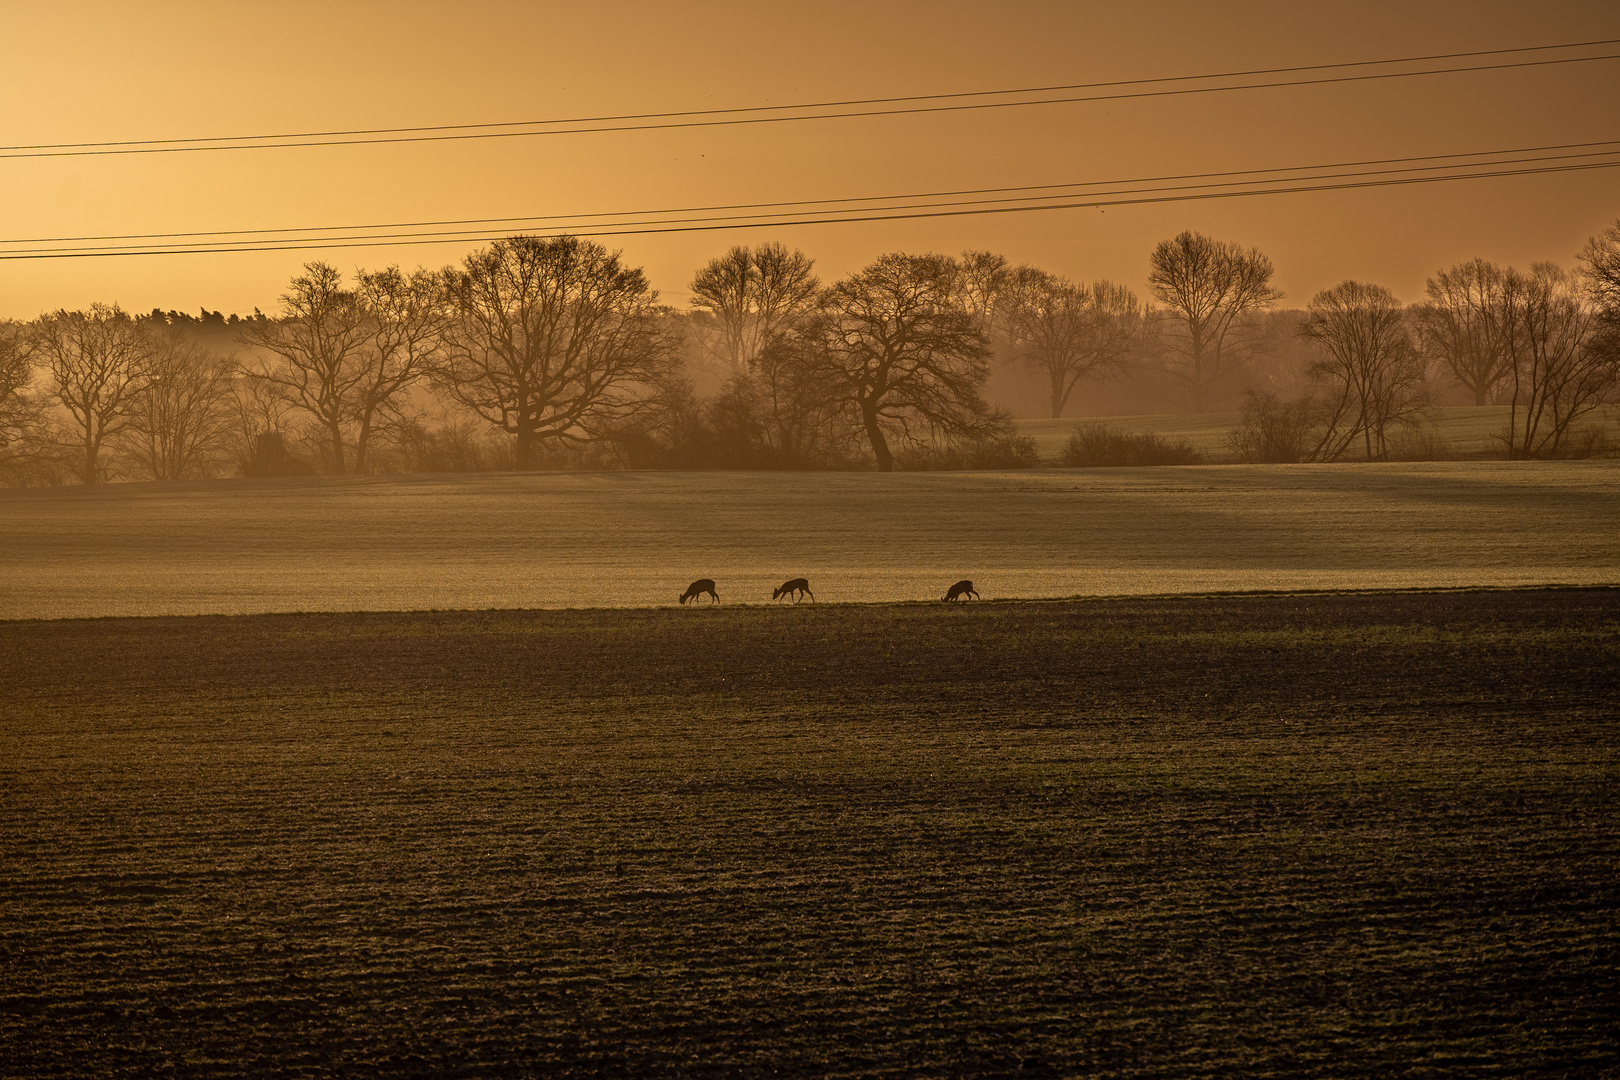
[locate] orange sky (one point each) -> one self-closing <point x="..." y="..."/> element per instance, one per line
<point x="89" y="71"/>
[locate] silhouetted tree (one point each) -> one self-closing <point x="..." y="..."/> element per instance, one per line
<point x="405" y="319"/>
<point x="555" y="340"/>
<point x="808" y="422"/>
<point x="99" y="362"/>
<point x="1457" y="327"/>
<point x="750" y="295"/>
<point x="1208" y="286"/>
<point x="1557" y="376"/>
<point x="1371" y="368"/>
<point x="316" y="340"/>
<point x="260" y="413"/>
<point x="983" y="279"/>
<point x="1600" y="271"/>
<point x="1600" y="266"/>
<point x="182" y="418"/>
<point x="20" y="409"/>
<point x="905" y="357"/>
<point x="1068" y="332"/>
<point x="347" y="357"/>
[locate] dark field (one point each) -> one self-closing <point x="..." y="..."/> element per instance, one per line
<point x="1321" y="835"/>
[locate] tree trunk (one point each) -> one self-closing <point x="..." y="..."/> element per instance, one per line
<point x="90" y="454"/>
<point x="523" y="454"/>
<point x="1482" y="395"/>
<point x="1058" y="396"/>
<point x="1197" y="349"/>
<point x="874" y="432"/>
<point x="335" y="433"/>
<point x="362" y="441"/>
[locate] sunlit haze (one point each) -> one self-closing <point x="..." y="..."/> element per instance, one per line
<point x="89" y="72"/>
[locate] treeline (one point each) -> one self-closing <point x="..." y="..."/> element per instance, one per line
<point x="552" y="352"/>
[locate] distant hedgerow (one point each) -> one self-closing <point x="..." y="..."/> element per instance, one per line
<point x="1011" y="452"/>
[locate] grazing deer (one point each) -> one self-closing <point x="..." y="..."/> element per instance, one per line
<point x="698" y="588"/>
<point x="799" y="586"/>
<point x="962" y="590"/>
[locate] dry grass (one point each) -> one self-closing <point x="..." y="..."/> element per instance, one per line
<point x="1326" y="836"/>
<point x="630" y="539"/>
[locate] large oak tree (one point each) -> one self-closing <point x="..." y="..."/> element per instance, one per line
<point x="555" y="339"/>
<point x="906" y="357"/>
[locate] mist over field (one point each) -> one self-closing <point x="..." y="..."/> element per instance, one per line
<point x="619" y="539"/>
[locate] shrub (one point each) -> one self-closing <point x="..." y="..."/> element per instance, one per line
<point x="1420" y="442"/>
<point x="1273" y="431"/>
<point x="1097" y="446"/>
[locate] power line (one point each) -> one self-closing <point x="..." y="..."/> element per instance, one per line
<point x="609" y="124"/>
<point x="845" y="208"/>
<point x="529" y="219"/>
<point x="641" y="229"/>
<point x="838" y="204"/>
<point x="831" y="104"/>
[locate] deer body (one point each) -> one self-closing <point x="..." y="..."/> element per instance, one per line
<point x="698" y="588"/>
<point x="961" y="591"/>
<point x="798" y="588"/>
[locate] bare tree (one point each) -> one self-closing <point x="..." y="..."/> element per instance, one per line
<point x="99" y="362"/>
<point x="20" y="409"/>
<point x="316" y="340"/>
<point x="905" y="356"/>
<point x="405" y="319"/>
<point x="348" y="357"/>
<point x="749" y="295"/>
<point x="183" y="416"/>
<point x="555" y="340"/>
<point x="1600" y="271"/>
<point x="1458" y="327"/>
<point x="1208" y="286"/>
<point x="1068" y="332"/>
<point x="789" y="413"/>
<point x="1558" y="377"/>
<point x="260" y="413"/>
<point x="1600" y="266"/>
<point x="1369" y="364"/>
<point x="981" y="288"/>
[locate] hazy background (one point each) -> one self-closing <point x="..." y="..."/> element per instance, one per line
<point x="92" y="71"/>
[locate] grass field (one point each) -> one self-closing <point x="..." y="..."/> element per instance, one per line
<point x="633" y="539"/>
<point x="1460" y="431"/>
<point x="1308" y="836"/>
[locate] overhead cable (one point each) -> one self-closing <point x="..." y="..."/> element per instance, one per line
<point x="1469" y="159"/>
<point x="1185" y="193"/>
<point x="852" y="108"/>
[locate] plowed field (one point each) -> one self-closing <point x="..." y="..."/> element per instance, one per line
<point x="1319" y="835"/>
